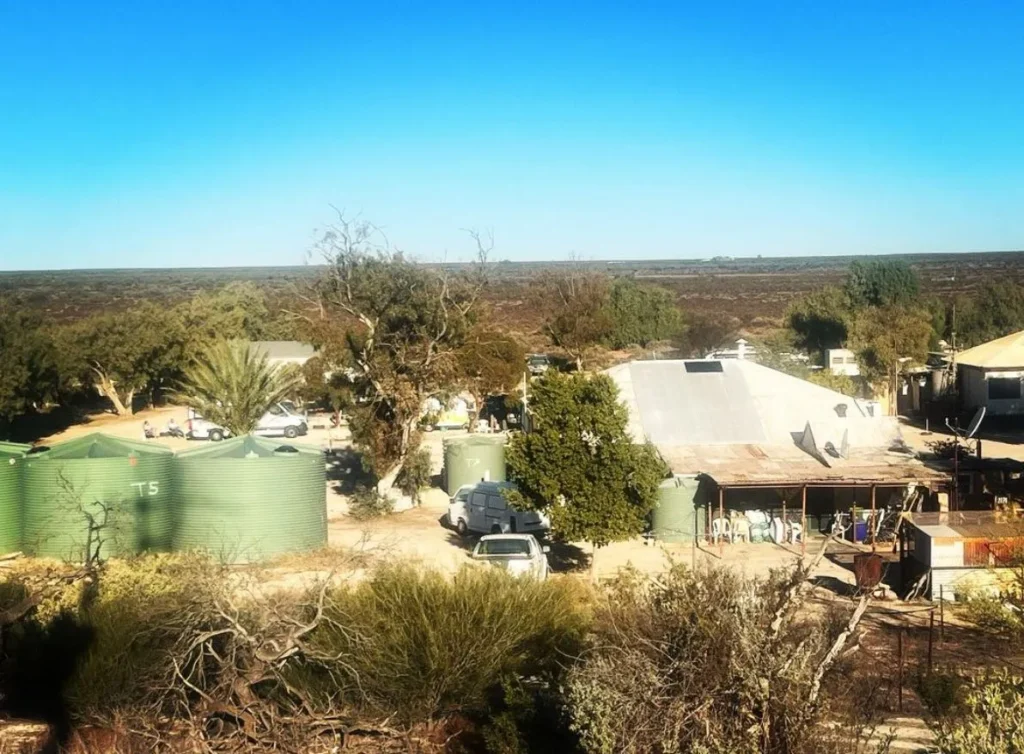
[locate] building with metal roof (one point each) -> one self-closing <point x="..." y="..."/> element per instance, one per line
<point x="281" y="352"/>
<point x="763" y="439"/>
<point x="992" y="375"/>
<point x="951" y="552"/>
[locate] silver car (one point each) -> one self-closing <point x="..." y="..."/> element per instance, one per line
<point x="519" y="554"/>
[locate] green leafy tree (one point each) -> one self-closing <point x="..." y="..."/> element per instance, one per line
<point x="705" y="333"/>
<point x="820" y="320"/>
<point x="490" y="363"/>
<point x="125" y="353"/>
<point x="995" y="310"/>
<point x="641" y="314"/>
<point x="881" y="282"/>
<point x="579" y="465"/>
<point x="396" y="328"/>
<point x="237" y="311"/>
<point x="29" y="372"/>
<point x="233" y="385"/>
<point x="577" y="315"/>
<point x="886" y="339"/>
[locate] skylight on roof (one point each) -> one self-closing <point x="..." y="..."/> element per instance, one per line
<point x="703" y="367"/>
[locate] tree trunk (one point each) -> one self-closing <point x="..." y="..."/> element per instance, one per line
<point x="388" y="480"/>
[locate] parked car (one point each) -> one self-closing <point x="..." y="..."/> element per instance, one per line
<point x="537" y="363"/>
<point x="278" y="421"/>
<point x="519" y="554"/>
<point x="482" y="508"/>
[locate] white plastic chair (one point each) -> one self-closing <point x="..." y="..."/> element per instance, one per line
<point x="796" y="532"/>
<point x="720" y="528"/>
<point x="740" y="529"/>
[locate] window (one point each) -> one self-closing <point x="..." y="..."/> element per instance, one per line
<point x="479" y="499"/>
<point x="275" y="410"/>
<point x="516" y="547"/>
<point x="1004" y="388"/>
<point x="496" y="502"/>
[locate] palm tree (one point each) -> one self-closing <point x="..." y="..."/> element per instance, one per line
<point x="233" y="385"/>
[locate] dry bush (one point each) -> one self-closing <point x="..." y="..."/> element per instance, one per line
<point x="705" y="661"/>
<point x="420" y="645"/>
<point x="989" y="718"/>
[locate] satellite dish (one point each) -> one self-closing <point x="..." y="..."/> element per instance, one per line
<point x="807" y="443"/>
<point x="975" y="423"/>
<point x="844" y="448"/>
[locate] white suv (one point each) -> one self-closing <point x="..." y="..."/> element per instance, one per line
<point x="281" y="420"/>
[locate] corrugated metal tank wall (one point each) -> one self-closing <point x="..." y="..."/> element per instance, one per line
<point x="11" y="461"/>
<point x="471" y="459"/>
<point x="678" y="515"/>
<point x="250" y="498"/>
<point x="121" y="486"/>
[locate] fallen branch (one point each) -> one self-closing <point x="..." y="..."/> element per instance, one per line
<point x="834" y="650"/>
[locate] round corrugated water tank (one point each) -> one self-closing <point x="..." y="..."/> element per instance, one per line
<point x="677" y="516"/>
<point x="472" y="459"/>
<point x="11" y="458"/>
<point x="249" y="499"/>
<point x="97" y="494"/>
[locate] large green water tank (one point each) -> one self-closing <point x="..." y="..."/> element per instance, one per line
<point x="678" y="515"/>
<point x="472" y="459"/>
<point x="11" y="458"/>
<point x="250" y="498"/>
<point x="97" y="489"/>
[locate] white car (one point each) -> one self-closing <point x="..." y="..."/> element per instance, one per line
<point x="482" y="508"/>
<point x="519" y="554"/>
<point x="281" y="420"/>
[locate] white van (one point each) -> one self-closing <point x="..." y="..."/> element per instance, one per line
<point x="280" y="420"/>
<point x="483" y="509"/>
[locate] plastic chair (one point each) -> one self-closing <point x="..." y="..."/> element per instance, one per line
<point x="740" y="529"/>
<point x="796" y="532"/>
<point x="720" y="528"/>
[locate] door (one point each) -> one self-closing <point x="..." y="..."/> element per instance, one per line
<point x="497" y="512"/>
<point x="478" y="512"/>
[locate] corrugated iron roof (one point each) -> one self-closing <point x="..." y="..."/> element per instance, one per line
<point x="988" y="525"/>
<point x="742" y="425"/>
<point x="1002" y="353"/>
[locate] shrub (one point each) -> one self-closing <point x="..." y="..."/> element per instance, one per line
<point x="704" y="661"/>
<point x="420" y="645"/>
<point x="415" y="474"/>
<point x="367" y="502"/>
<point x="990" y="720"/>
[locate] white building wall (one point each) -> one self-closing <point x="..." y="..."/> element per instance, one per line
<point x="842" y="361"/>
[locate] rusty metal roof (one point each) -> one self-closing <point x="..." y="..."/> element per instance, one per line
<point x="987" y="525"/>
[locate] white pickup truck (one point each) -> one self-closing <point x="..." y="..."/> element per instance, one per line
<point x="281" y="420"/>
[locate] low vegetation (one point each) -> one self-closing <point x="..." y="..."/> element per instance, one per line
<point x="175" y="648"/>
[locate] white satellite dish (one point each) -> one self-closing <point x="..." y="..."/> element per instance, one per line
<point x="975" y="423"/>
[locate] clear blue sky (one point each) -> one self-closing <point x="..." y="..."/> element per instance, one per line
<point x="178" y="135"/>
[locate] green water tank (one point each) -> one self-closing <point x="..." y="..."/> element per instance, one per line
<point x="472" y="459"/>
<point x="11" y="461"/>
<point x="250" y="498"/>
<point x="679" y="513"/>
<point x="97" y="489"/>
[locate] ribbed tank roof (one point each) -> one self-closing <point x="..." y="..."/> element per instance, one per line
<point x="248" y="446"/>
<point x="98" y="445"/>
<point x="13" y="450"/>
<point x="477" y="440"/>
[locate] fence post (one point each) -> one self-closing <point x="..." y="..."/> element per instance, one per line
<point x="903" y="630"/>
<point x="931" y="638"/>
<point x="942" y="616"/>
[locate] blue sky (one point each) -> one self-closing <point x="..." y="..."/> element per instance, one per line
<point x="177" y="135"/>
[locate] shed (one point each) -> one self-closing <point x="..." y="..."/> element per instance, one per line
<point x="284" y="352"/>
<point x="960" y="550"/>
<point x="250" y="498"/>
<point x="992" y="375"/>
<point x="95" y="492"/>
<point x="11" y="457"/>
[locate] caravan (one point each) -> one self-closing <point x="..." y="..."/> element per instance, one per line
<point x="482" y="508"/>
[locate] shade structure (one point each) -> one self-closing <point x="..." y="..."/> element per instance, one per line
<point x="11" y="458"/>
<point x="250" y="498"/>
<point x="472" y="459"/>
<point x="96" y="495"/>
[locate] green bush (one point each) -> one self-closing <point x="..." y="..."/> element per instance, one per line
<point x="422" y="645"/>
<point x="990" y="720"/>
<point x="366" y="503"/>
<point x="989" y="612"/>
<point x="415" y="474"/>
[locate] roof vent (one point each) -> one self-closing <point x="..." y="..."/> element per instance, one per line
<point x="703" y="367"/>
<point x="841" y="410"/>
